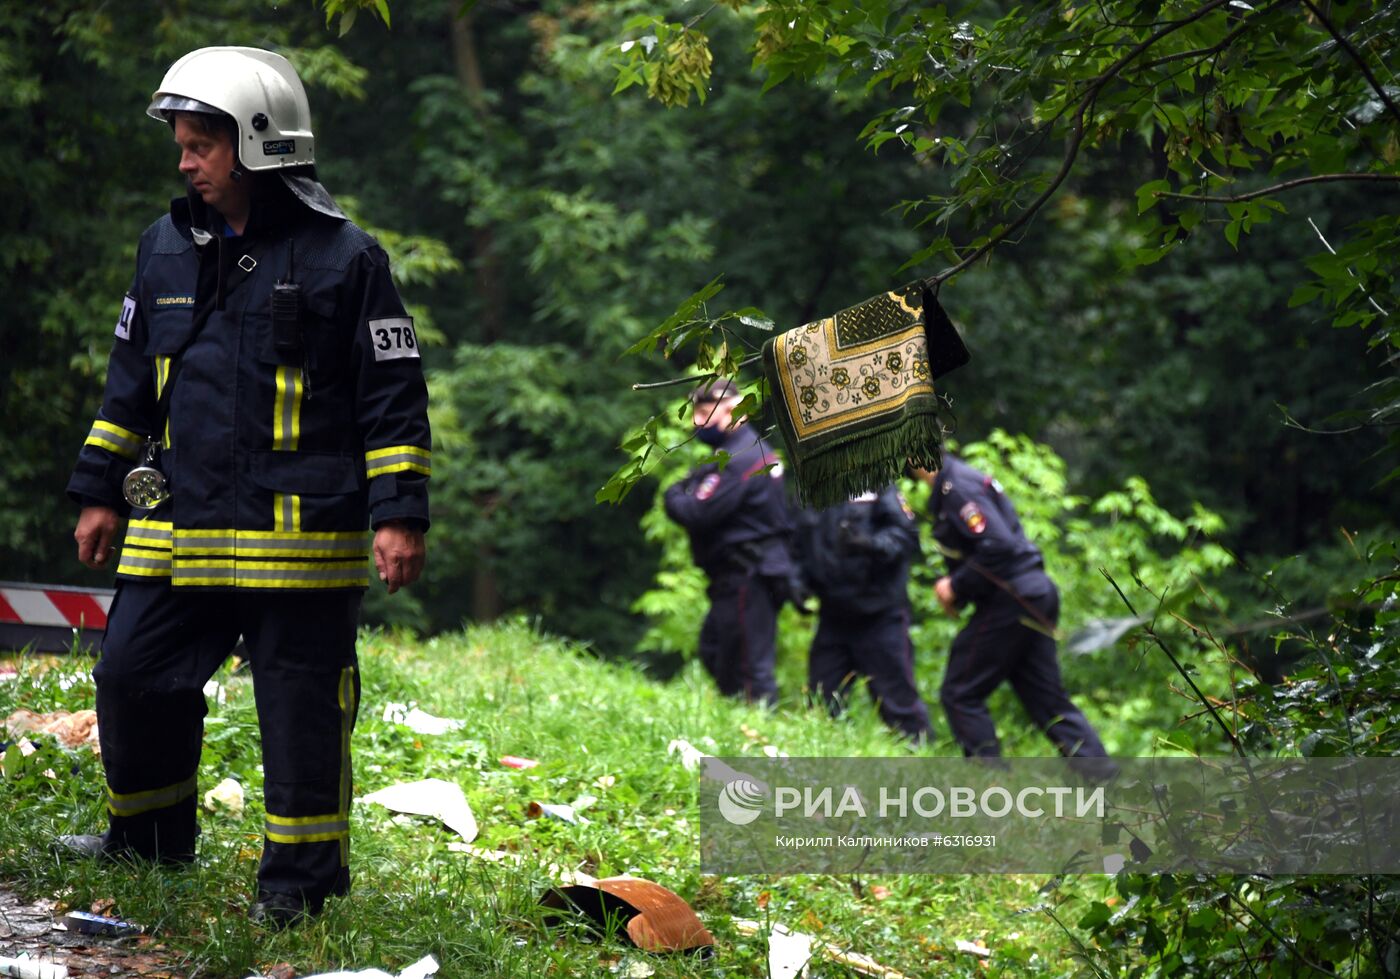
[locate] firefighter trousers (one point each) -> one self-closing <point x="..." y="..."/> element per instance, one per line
<point x="161" y="647"/>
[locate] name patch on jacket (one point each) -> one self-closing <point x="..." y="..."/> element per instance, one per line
<point x="170" y="299"/>
<point x="393" y="338"/>
<point x="128" y="314"/>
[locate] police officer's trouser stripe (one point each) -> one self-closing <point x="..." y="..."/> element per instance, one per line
<point x="347" y="723"/>
<point x="121" y="441"/>
<point x="135" y="803"/>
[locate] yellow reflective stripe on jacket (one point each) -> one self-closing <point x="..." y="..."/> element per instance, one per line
<point x="162" y="376"/>
<point x="286" y="410"/>
<point x="121" y="441"/>
<point x="135" y="803"/>
<point x="146" y="549"/>
<point x="307" y="829"/>
<point x="398" y="458"/>
<point x="272" y="574"/>
<point x="286" y="511"/>
<point x="272" y="543"/>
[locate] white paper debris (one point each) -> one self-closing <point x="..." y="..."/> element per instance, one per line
<point x="424" y="967"/>
<point x="788" y="953"/>
<point x="855" y="961"/>
<point x="430" y="797"/>
<point x="420" y="721"/>
<point x="26" y="968"/>
<point x="691" y="756"/>
<point x="554" y="810"/>
<point x="226" y="796"/>
<point x="981" y="951"/>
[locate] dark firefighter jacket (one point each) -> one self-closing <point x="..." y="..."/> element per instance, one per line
<point x="977" y="530"/>
<point x="855" y="556"/>
<point x="737" y="516"/>
<point x="278" y="460"/>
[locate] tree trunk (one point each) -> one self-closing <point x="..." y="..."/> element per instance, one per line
<point x="486" y="595"/>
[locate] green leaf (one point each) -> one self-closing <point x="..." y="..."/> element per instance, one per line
<point x="1147" y="193"/>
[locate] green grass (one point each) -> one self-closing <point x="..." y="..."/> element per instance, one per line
<point x="598" y="729"/>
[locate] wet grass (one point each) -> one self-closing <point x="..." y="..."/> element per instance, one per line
<point x="598" y="729"/>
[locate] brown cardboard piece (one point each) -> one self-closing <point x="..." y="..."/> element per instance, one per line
<point x="655" y="919"/>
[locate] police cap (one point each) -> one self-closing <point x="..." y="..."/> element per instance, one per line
<point x="718" y="389"/>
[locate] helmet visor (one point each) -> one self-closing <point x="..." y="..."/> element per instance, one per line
<point x="163" y="104"/>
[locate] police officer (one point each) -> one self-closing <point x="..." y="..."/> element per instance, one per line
<point x="737" y="520"/>
<point x="855" y="558"/>
<point x="264" y="409"/>
<point x="1010" y="636"/>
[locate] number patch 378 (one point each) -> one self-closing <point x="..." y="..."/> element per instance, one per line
<point x="393" y="338"/>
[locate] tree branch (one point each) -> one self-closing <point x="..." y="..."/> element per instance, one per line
<point x="1225" y="42"/>
<point x="1321" y="178"/>
<point x="694" y="378"/>
<point x="1076" y="138"/>
<point x="1355" y="56"/>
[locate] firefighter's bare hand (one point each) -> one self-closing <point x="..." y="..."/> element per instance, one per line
<point x="97" y="528"/>
<point x="399" y="553"/>
<point x="943" y="588"/>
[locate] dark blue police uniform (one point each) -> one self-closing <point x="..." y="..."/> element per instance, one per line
<point x="855" y="557"/>
<point x="1011" y="633"/>
<point x="738" y="525"/>
<point x="279" y="459"/>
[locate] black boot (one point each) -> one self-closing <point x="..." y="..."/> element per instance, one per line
<point x="278" y="911"/>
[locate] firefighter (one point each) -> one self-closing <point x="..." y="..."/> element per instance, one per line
<point x="737" y="520"/>
<point x="1010" y="637"/>
<point x="855" y="558"/>
<point x="264" y="410"/>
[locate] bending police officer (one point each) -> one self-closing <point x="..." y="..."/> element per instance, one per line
<point x="1010" y="636"/>
<point x="736" y="518"/>
<point x="264" y="406"/>
<point x="855" y="558"/>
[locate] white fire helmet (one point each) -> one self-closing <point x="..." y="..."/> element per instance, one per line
<point x="259" y="89"/>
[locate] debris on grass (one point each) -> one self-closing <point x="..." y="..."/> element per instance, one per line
<point x="788" y="953"/>
<point x="424" y="967"/>
<point x="430" y="797"/>
<point x="227" y="797"/>
<point x="516" y="762"/>
<point x="420" y="721"/>
<point x="973" y="948"/>
<point x="24" y="967"/>
<point x="691" y="756"/>
<point x="653" y="918"/>
<point x="855" y="961"/>
<point x="87" y="923"/>
<point x="565" y="814"/>
<point x="71" y="729"/>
